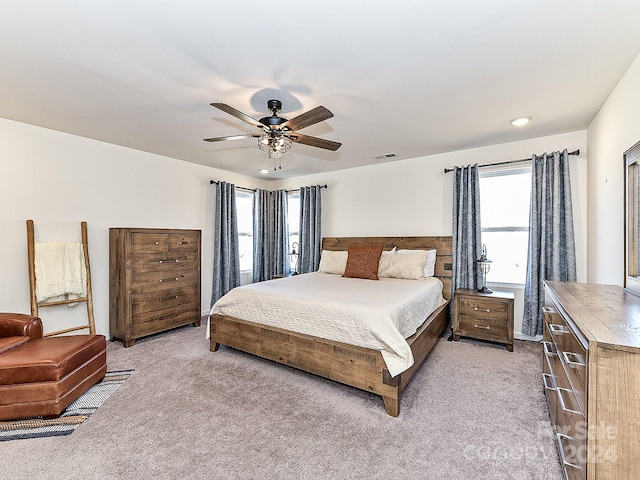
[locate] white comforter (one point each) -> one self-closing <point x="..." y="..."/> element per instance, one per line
<point x="373" y="314"/>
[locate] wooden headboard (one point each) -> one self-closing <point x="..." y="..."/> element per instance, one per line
<point x="442" y="245"/>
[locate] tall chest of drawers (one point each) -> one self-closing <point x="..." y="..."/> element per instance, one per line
<point x="591" y="377"/>
<point x="154" y="281"/>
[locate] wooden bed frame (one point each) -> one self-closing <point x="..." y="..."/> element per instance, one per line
<point x="358" y="367"/>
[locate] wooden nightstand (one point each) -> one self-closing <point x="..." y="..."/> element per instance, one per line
<point x="486" y="316"/>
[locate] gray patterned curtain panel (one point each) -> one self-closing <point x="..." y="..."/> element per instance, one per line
<point x="552" y="254"/>
<point x="310" y="229"/>
<point x="270" y="235"/>
<point x="467" y="231"/>
<point x="226" y="259"/>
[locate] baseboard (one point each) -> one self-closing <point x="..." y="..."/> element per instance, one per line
<point x="522" y="336"/>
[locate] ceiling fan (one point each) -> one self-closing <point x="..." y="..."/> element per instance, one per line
<point x="278" y="133"/>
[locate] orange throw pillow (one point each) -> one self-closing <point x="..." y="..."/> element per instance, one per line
<point x="362" y="262"/>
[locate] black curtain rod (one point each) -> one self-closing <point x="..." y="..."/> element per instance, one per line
<point x="447" y="170"/>
<point x="211" y="182"/>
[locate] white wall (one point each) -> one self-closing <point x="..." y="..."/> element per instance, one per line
<point x="614" y="130"/>
<point x="59" y="180"/>
<point x="415" y="196"/>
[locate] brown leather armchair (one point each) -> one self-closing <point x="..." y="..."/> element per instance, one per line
<point x="42" y="376"/>
<point x="17" y="328"/>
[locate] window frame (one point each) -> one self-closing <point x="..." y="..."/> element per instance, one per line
<point x="247" y="195"/>
<point x="499" y="172"/>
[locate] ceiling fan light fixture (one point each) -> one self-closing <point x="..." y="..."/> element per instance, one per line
<point x="278" y="133"/>
<point x="521" y="121"/>
<point x="274" y="143"/>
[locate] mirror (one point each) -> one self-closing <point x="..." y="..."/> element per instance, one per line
<point x="632" y="218"/>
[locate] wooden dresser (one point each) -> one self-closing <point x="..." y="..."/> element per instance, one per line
<point x="154" y="281"/>
<point x="592" y="378"/>
<point x="487" y="316"/>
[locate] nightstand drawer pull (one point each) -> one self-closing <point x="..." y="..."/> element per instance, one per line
<point x="481" y="326"/>
<point x="484" y="310"/>
<point x="168" y="279"/>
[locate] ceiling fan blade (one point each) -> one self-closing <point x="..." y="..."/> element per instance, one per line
<point x="309" y="118"/>
<point x="238" y="114"/>
<point x="315" y="141"/>
<point x="231" y="137"/>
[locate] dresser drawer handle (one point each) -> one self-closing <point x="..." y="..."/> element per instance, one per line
<point x="578" y="360"/>
<point x="481" y="326"/>
<point x="167" y="299"/>
<point x="561" y="399"/>
<point x="546" y="376"/>
<point x="165" y="279"/>
<point x="557" y="329"/>
<point x="563" y="458"/>
<point x="183" y="243"/>
<point x="547" y="352"/>
<point x="484" y="310"/>
<point x="157" y="243"/>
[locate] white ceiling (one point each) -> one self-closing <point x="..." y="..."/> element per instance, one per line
<point x="410" y="77"/>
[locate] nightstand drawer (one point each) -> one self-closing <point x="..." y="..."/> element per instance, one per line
<point x="493" y="326"/>
<point x="484" y="308"/>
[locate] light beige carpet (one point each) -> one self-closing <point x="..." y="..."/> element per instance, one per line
<point x="473" y="411"/>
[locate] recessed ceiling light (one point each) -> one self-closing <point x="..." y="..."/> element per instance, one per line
<point x="264" y="171"/>
<point x="521" y="121"/>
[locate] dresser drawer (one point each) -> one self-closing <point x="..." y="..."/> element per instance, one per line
<point x="149" y="242"/>
<point x="152" y="322"/>
<point x="483" y="326"/>
<point x="163" y="300"/>
<point x="479" y="307"/>
<point x="184" y="242"/>
<point x="164" y="262"/>
<point x="154" y="281"/>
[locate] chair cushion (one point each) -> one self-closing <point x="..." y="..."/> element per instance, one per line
<point x="48" y="359"/>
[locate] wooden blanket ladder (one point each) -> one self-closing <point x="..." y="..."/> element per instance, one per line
<point x="90" y="325"/>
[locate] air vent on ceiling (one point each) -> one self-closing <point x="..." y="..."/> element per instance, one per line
<point x="385" y="156"/>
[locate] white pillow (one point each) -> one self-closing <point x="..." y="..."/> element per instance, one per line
<point x="409" y="265"/>
<point x="430" y="264"/>
<point x="333" y="262"/>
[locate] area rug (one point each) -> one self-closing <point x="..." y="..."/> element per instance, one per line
<point x="75" y="414"/>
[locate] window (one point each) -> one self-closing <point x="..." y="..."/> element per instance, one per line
<point x="244" y="207"/>
<point x="293" y="220"/>
<point x="505" y="197"/>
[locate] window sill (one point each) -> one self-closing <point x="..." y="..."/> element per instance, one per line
<point x="510" y="286"/>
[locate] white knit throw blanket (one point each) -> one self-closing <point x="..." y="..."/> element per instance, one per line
<point x="60" y="271"/>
